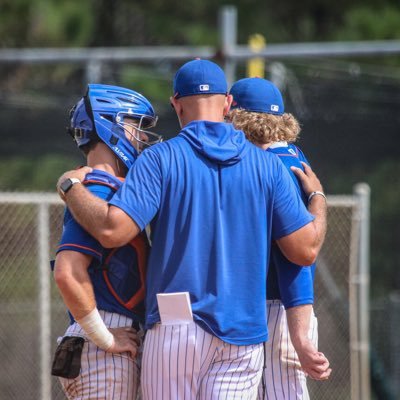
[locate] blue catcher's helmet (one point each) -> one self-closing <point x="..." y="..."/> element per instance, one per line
<point x="116" y="116"/>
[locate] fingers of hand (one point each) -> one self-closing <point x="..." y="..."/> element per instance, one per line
<point x="124" y="345"/>
<point x="322" y="376"/>
<point x="131" y="348"/>
<point x="313" y="179"/>
<point x="320" y="371"/>
<point x="309" y="172"/>
<point x="298" y="172"/>
<point x="132" y="352"/>
<point x="318" y="365"/>
<point x="124" y="329"/>
<point x="322" y="358"/>
<point x="135" y="338"/>
<point x="86" y="169"/>
<point x="126" y="333"/>
<point x="125" y="348"/>
<point x="307" y="168"/>
<point x="79" y="173"/>
<point x="321" y="367"/>
<point x="319" y="376"/>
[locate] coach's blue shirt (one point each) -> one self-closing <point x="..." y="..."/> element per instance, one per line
<point x="215" y="201"/>
<point x="288" y="282"/>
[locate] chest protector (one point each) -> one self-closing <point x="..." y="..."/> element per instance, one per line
<point x="124" y="268"/>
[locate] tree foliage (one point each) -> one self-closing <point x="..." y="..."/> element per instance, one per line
<point x="363" y="23"/>
<point x="43" y="23"/>
<point x="34" y="174"/>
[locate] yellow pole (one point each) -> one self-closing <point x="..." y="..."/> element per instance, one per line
<point x="256" y="65"/>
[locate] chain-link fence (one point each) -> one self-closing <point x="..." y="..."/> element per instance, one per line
<point x="29" y="230"/>
<point x="27" y="334"/>
<point x="332" y="306"/>
<point x="385" y="343"/>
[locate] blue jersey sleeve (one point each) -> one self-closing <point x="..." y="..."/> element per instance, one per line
<point x="139" y="196"/>
<point x="74" y="237"/>
<point x="290" y="213"/>
<point x="295" y="283"/>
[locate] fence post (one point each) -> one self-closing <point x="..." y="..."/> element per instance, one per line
<point x="228" y="38"/>
<point x="359" y="306"/>
<point x="93" y="71"/>
<point x="44" y="301"/>
<point x="394" y="301"/>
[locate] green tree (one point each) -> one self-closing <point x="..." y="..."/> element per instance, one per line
<point x="366" y="23"/>
<point x="45" y="23"/>
<point x="15" y="23"/>
<point x="34" y="174"/>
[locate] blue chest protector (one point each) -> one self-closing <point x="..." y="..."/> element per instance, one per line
<point x="118" y="275"/>
<point x="123" y="268"/>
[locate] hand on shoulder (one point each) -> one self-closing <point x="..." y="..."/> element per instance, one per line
<point x="79" y="174"/>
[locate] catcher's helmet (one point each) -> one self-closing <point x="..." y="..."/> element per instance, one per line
<point x="102" y="115"/>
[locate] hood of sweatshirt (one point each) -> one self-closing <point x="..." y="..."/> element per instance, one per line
<point x="218" y="141"/>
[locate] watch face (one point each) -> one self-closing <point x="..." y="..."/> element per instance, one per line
<point x="66" y="185"/>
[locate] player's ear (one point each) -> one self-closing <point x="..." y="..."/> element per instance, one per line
<point x="171" y="102"/>
<point x="228" y="103"/>
<point x="176" y="105"/>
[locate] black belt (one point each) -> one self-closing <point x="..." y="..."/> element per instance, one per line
<point x="136" y="325"/>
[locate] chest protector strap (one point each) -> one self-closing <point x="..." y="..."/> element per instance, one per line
<point x="118" y="269"/>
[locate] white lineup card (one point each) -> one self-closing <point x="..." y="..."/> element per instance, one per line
<point x="174" y="308"/>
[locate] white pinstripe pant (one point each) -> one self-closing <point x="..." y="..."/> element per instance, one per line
<point x="186" y="362"/>
<point x="283" y="378"/>
<point x="103" y="376"/>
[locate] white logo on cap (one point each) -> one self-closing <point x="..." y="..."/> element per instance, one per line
<point x="204" y="88"/>
<point x="274" y="107"/>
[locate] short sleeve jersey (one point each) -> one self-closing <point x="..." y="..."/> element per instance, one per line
<point x="286" y="281"/>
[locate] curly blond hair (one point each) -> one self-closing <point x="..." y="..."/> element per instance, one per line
<point x="262" y="128"/>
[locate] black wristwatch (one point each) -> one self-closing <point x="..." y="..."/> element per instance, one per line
<point x="68" y="183"/>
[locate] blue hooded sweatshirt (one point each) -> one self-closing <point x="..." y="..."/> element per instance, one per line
<point x="215" y="202"/>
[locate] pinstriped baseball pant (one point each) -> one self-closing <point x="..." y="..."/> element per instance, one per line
<point x="103" y="376"/>
<point x="185" y="362"/>
<point x="283" y="377"/>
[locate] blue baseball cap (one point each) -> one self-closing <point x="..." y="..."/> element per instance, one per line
<point x="199" y="77"/>
<point x="257" y="95"/>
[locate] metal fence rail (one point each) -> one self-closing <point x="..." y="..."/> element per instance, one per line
<point x="229" y="51"/>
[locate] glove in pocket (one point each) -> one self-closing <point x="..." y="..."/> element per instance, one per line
<point x="67" y="358"/>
